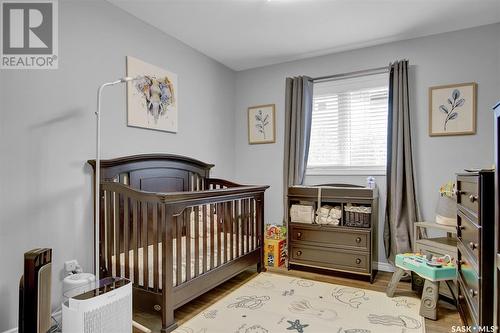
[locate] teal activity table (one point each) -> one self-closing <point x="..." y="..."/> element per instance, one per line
<point x="432" y="271"/>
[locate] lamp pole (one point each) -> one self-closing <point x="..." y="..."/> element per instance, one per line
<point x="98" y="168"/>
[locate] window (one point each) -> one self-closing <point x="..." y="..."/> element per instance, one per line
<point x="349" y="126"/>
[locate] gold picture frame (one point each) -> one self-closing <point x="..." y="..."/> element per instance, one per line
<point x="453" y="109"/>
<point x="262" y="124"/>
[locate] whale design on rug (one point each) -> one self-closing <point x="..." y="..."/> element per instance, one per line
<point x="350" y="296"/>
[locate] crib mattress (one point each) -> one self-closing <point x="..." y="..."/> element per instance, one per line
<point x="241" y="243"/>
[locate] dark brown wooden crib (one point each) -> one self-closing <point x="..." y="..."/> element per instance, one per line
<point x="173" y="231"/>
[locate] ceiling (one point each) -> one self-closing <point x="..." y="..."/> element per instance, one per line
<point x="244" y="34"/>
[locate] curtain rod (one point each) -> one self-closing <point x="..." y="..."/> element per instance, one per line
<point x="372" y="71"/>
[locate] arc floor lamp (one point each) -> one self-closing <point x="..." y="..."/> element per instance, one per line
<point x="97" y="178"/>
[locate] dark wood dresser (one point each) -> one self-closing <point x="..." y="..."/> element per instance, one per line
<point x="338" y="248"/>
<point x="475" y="233"/>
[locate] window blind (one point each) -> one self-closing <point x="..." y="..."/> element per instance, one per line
<point x="349" y="124"/>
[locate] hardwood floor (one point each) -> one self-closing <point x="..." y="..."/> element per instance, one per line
<point x="447" y="314"/>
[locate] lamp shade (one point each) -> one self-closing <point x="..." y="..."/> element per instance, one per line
<point x="446" y="211"/>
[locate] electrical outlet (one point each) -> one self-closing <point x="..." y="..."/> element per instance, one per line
<point x="70" y="265"/>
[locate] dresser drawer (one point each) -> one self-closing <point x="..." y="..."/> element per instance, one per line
<point x="470" y="284"/>
<point x="468" y="312"/>
<point x="469" y="234"/>
<point x="467" y="194"/>
<point x="330" y="258"/>
<point x="464" y="258"/>
<point x="339" y="237"/>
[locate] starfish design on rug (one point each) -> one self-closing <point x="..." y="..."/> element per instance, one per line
<point x="296" y="325"/>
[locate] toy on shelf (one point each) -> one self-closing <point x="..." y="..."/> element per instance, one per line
<point x="448" y="189"/>
<point x="275" y="246"/>
<point x="432" y="269"/>
<point x="428" y="266"/>
<point x="275" y="231"/>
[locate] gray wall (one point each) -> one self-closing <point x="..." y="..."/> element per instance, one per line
<point x="47" y="132"/>
<point x="462" y="56"/>
<point x="47" y="126"/>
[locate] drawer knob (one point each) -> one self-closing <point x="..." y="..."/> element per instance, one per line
<point x="461" y="297"/>
<point x="299" y="253"/>
<point x="472" y="197"/>
<point x="358" y="261"/>
<point x="299" y="235"/>
<point x="358" y="240"/>
<point x="473" y="245"/>
<point x="473" y="292"/>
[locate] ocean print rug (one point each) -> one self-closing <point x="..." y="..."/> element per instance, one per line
<point x="277" y="303"/>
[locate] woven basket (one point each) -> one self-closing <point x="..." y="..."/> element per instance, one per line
<point x="356" y="219"/>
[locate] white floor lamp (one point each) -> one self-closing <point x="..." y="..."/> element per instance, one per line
<point x="98" y="166"/>
<point x="98" y="180"/>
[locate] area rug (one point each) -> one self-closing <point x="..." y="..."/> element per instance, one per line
<point x="278" y="303"/>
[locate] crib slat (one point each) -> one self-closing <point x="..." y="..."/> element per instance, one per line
<point x="247" y="224"/>
<point x="196" y="240"/>
<point x="144" y="244"/>
<point x="237" y="222"/>
<point x="117" y="238"/>
<point x="244" y="227"/>
<point x="219" y="231"/>
<point x="126" y="235"/>
<point x="109" y="233"/>
<point x="178" y="251"/>
<point x="174" y="249"/>
<point x="231" y="230"/>
<point x="259" y="217"/>
<point x="187" y="223"/>
<point x="156" y="239"/>
<point x="135" y="240"/>
<point x="166" y="241"/>
<point x="212" y="232"/>
<point x="204" y="231"/>
<point x="252" y="225"/>
<point x="102" y="232"/>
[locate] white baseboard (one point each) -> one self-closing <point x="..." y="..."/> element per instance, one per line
<point x="57" y="315"/>
<point x="12" y="330"/>
<point x="384" y="267"/>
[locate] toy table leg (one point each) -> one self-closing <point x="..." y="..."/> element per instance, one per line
<point x="396" y="276"/>
<point x="428" y="304"/>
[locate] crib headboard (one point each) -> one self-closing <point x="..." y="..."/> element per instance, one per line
<point x="156" y="172"/>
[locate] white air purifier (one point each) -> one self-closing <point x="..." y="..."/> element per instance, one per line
<point x="104" y="306"/>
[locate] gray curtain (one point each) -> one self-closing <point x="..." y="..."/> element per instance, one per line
<point x="402" y="208"/>
<point x="298" y="113"/>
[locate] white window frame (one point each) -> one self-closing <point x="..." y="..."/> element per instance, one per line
<point x="347" y="171"/>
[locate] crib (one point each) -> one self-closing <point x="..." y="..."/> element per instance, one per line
<point x="173" y="231"/>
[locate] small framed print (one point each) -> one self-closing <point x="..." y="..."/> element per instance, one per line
<point x="261" y="124"/>
<point x="452" y="109"/>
